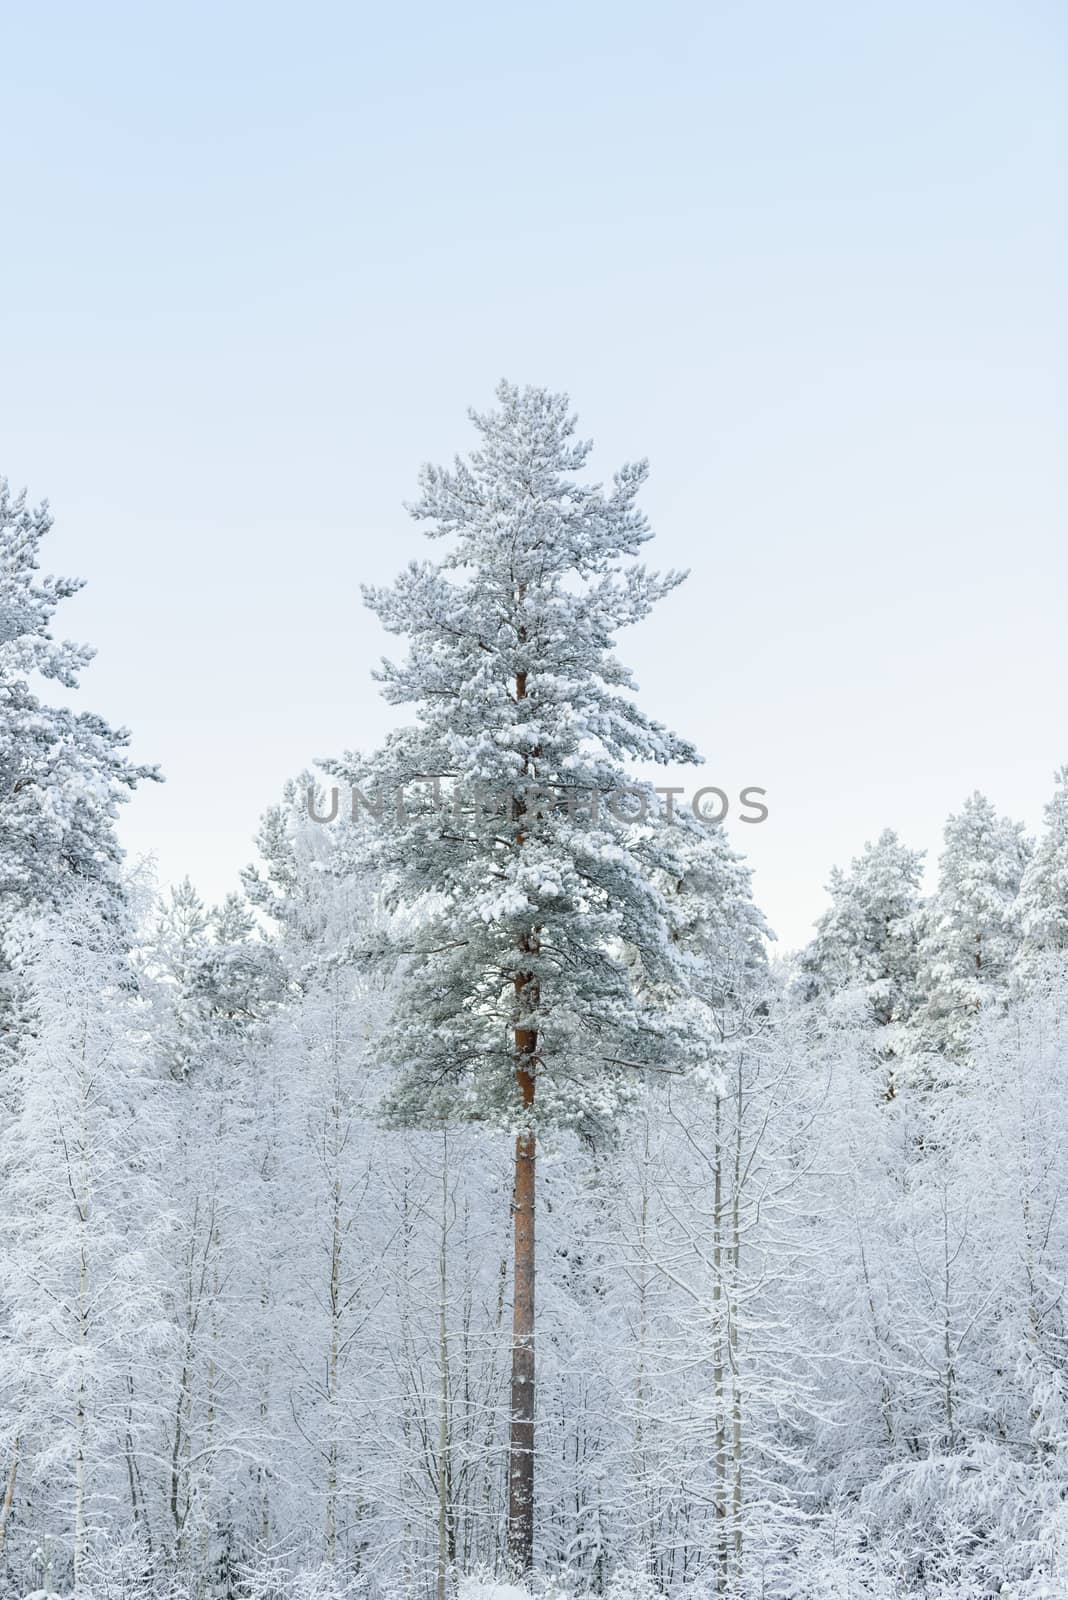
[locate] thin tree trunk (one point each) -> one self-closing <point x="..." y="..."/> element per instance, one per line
<point x="950" y="1377"/>
<point x="334" y="1144"/>
<point x="732" y="1344"/>
<point x="332" y="1368"/>
<point x="641" y="1465"/>
<point x="265" y="1417"/>
<point x="443" y="1396"/>
<point x="83" y="1334"/>
<point x="491" y="1519"/>
<point x="79" y="1417"/>
<point x="408" y="1545"/>
<point x="719" y="1361"/>
<point x="212" y="1379"/>
<point x="133" y="1476"/>
<point x="9" y="1493"/>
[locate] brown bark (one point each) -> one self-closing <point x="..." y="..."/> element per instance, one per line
<point x="521" y="1436"/>
<point x="521" y="1428"/>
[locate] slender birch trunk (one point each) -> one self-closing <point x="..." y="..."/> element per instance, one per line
<point x="408" y="1546"/>
<point x="332" y="1367"/>
<point x="443" y="1392"/>
<point x="641" y="1464"/>
<point x="950" y="1376"/>
<point x="333" y="1361"/>
<point x="491" y="1518"/>
<point x="9" y="1493"/>
<point x="265" y="1421"/>
<point x="732" y="1342"/>
<point x="719" y="1359"/>
<point x="133" y="1474"/>
<point x="82" y="1207"/>
<point x="215" y="1240"/>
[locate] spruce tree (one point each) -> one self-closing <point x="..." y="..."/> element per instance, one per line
<point x="1044" y="892"/>
<point x="973" y="933"/>
<point x="868" y="941"/>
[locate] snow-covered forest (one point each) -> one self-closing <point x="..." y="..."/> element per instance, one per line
<point x="479" y="1197"/>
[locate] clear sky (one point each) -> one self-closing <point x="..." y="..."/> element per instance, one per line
<point x="809" y="258"/>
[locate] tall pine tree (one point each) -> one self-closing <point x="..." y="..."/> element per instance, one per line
<point x="519" y="1004"/>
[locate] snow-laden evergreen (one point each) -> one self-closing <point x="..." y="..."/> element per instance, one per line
<point x="517" y="1003"/>
<point x="867" y="937"/>
<point x="1043" y="904"/>
<point x="531" y="890"/>
<point x="63" y="773"/>
<point x="972" y="928"/>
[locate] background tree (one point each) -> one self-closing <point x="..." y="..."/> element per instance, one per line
<point x="82" y="1153"/>
<point x="1043" y="907"/>
<point x="972" y="926"/>
<point x="868" y="941"/>
<point x="63" y="773"/>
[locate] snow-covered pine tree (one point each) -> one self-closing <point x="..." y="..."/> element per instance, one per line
<point x="868" y="939"/>
<point x="62" y="773"/>
<point x="1043" y="904"/>
<point x="973" y="928"/>
<point x="518" y="1003"/>
<point x="720" y="931"/>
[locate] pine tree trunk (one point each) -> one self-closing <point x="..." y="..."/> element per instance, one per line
<point x="521" y="1432"/>
<point x="521" y="1438"/>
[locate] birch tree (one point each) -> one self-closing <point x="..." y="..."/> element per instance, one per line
<point x="81" y="1264"/>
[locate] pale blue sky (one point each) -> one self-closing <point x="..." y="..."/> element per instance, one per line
<point x="809" y="258"/>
